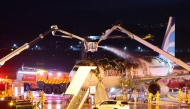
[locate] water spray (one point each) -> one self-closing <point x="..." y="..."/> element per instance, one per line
<point x="116" y="51"/>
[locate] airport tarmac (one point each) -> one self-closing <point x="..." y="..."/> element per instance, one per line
<point x="138" y="105"/>
<point x="55" y="102"/>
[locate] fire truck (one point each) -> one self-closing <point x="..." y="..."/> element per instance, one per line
<point x="11" y="88"/>
<point x="50" y="81"/>
<point x="12" y="95"/>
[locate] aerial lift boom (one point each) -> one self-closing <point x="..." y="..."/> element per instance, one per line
<point x="155" y="48"/>
<point x="53" y="29"/>
<point x="88" y="46"/>
<point x="24" y="47"/>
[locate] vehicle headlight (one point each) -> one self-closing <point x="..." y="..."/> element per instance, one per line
<point x="11" y="103"/>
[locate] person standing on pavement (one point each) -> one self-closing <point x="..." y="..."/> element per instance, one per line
<point x="42" y="98"/>
<point x="30" y="96"/>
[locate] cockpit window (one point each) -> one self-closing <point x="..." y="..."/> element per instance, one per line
<point x="75" y="68"/>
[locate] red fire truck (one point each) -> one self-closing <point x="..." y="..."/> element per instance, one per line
<point x="50" y="81"/>
<point x="11" y="88"/>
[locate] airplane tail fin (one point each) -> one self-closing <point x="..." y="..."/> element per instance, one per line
<point x="168" y="44"/>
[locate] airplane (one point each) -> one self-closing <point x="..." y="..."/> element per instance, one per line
<point x="134" y="72"/>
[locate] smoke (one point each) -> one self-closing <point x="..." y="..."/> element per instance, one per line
<point x="116" y="51"/>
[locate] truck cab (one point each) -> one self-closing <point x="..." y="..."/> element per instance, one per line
<point x="11" y="88"/>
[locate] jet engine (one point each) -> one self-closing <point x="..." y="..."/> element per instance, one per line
<point x="158" y="86"/>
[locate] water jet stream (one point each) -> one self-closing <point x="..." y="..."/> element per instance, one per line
<point x="118" y="52"/>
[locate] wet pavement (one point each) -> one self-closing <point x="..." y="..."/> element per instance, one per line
<point x="138" y="105"/>
<point x="152" y="106"/>
<point x="60" y="106"/>
<point x="55" y="102"/>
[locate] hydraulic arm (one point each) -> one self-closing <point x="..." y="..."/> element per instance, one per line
<point x="89" y="46"/>
<point x="24" y="47"/>
<point x="158" y="50"/>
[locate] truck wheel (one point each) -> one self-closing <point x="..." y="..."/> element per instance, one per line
<point x="47" y="90"/>
<point x="56" y="90"/>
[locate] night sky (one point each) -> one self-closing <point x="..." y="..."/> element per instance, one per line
<point x="26" y="19"/>
<point x="21" y="17"/>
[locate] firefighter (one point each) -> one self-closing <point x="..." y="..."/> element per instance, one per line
<point x="157" y="97"/>
<point x="150" y="98"/>
<point x="30" y="96"/>
<point x="42" y="98"/>
<point x="179" y="96"/>
<point x="8" y="91"/>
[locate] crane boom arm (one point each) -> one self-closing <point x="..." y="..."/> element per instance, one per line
<point x="155" y="48"/>
<point x="88" y="46"/>
<point x="24" y="47"/>
<point x="69" y="35"/>
<point x="53" y="29"/>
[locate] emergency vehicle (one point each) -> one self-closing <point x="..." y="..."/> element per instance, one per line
<point x="12" y="95"/>
<point x="50" y="81"/>
<point x="11" y="88"/>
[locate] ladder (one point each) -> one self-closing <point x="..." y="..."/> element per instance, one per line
<point x="75" y="87"/>
<point x="78" y="100"/>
